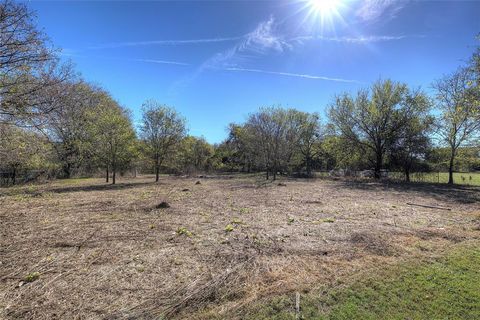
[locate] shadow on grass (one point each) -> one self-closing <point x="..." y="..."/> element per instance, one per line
<point x="103" y="187"/>
<point x="442" y="192"/>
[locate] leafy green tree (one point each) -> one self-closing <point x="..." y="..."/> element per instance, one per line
<point x="309" y="142"/>
<point x="458" y="122"/>
<point x="112" y="137"/>
<point x="162" y="130"/>
<point x="194" y="154"/>
<point x="373" y="119"/>
<point x="22" y="149"/>
<point x="413" y="142"/>
<point x="66" y="125"/>
<point x="241" y="147"/>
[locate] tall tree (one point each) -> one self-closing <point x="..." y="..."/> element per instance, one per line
<point x="66" y="125"/>
<point x="413" y="142"/>
<point x="458" y="123"/>
<point x="373" y="119"/>
<point x="113" y="139"/>
<point x="309" y="142"/>
<point x="28" y="65"/>
<point x="162" y="130"/>
<point x="277" y="133"/>
<point x="241" y="146"/>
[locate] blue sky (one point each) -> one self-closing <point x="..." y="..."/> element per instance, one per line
<point x="217" y="61"/>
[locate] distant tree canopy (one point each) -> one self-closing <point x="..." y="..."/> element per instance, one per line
<point x="53" y="122"/>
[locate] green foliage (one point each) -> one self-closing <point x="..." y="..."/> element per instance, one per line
<point x="184" y="231"/>
<point x="237" y="221"/>
<point x="162" y="130"/>
<point x="379" y="118"/>
<point x="229" y="228"/>
<point x="192" y="155"/>
<point x="22" y="149"/>
<point x="112" y="138"/>
<point x="340" y="153"/>
<point x="32" y="276"/>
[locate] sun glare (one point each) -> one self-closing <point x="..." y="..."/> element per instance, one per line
<point x="324" y="13"/>
<point x="324" y="7"/>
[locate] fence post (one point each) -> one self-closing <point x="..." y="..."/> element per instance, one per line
<point x="297" y="306"/>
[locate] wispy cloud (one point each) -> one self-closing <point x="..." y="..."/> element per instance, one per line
<point x="161" y="62"/>
<point x="71" y="54"/>
<point x="262" y="40"/>
<point x="357" y="39"/>
<point x="288" y="74"/>
<point x="164" y="42"/>
<point x="372" y="10"/>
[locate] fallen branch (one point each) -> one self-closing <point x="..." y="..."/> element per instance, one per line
<point x="431" y="207"/>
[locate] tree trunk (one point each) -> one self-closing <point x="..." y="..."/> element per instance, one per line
<point x="67" y="171"/>
<point x="14" y="176"/>
<point x="107" y="175"/>
<point x="267" y="174"/>
<point x="157" y="169"/>
<point x="114" y="173"/>
<point x="274" y="174"/>
<point x="407" y="174"/>
<point x="308" y="165"/>
<point x="378" y="165"/>
<point x="450" y="167"/>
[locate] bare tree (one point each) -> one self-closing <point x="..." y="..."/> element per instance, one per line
<point x="162" y="129"/>
<point x="277" y="133"/>
<point x="28" y="65"/>
<point x="458" y="123"/>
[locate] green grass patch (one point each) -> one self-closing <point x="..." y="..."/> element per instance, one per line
<point x="448" y="288"/>
<point x="72" y="181"/>
<point x="462" y="178"/>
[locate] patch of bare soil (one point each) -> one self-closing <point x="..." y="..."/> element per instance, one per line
<point x="180" y="249"/>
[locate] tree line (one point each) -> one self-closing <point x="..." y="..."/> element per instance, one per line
<point x="56" y="124"/>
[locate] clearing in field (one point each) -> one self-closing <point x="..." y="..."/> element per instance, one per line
<point x="226" y="246"/>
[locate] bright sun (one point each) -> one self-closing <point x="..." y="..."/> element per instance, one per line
<point x="324" y="12"/>
<point x="325" y="7"/>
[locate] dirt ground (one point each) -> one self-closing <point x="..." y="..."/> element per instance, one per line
<point x="80" y="249"/>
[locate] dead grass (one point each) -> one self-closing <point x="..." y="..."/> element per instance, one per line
<point x="103" y="252"/>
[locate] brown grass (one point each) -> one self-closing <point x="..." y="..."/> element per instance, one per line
<point x="105" y="252"/>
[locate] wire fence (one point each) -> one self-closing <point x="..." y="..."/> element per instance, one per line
<point x="13" y="177"/>
<point x="460" y="178"/>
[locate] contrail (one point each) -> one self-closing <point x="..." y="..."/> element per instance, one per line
<point x="164" y="42"/>
<point x="288" y="74"/>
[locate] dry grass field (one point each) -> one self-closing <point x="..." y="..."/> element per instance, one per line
<point x="80" y="249"/>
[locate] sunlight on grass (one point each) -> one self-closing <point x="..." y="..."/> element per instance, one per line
<point x="448" y="288"/>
